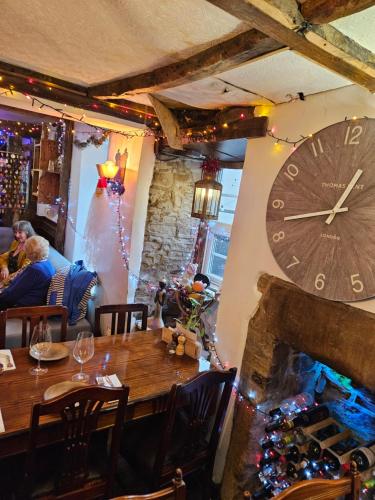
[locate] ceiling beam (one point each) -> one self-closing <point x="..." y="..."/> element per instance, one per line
<point x="252" y="12"/>
<point x="217" y="59"/>
<point x="46" y="87"/>
<point x="326" y="11"/>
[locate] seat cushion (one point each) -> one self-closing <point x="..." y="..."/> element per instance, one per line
<point x="13" y="336"/>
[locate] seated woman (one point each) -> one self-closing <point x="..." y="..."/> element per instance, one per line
<point x="15" y="258"/>
<point x="30" y="286"/>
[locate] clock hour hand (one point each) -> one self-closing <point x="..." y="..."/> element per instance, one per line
<point x="344" y="195"/>
<point x="315" y="214"/>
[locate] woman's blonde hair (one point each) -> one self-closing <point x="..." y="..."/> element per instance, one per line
<point x="36" y="248"/>
<point x="25" y="226"/>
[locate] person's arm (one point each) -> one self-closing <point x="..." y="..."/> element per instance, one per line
<point x="19" y="287"/>
<point x="4" y="272"/>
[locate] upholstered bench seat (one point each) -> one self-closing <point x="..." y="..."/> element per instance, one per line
<point x="14" y="326"/>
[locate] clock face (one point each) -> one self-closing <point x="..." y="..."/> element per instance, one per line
<point x="321" y="213"/>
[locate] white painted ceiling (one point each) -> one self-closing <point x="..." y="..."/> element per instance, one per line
<point x="360" y="27"/>
<point x="91" y="41"/>
<point x="272" y="79"/>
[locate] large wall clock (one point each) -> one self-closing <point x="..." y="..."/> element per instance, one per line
<point x="321" y="212"/>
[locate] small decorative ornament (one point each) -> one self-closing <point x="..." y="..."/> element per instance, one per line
<point x="156" y="320"/>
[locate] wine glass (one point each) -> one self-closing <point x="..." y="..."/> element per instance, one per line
<point x="40" y="344"/>
<point x="83" y="351"/>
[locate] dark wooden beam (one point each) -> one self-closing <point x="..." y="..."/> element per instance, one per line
<point x="45" y="87"/>
<point x="245" y="128"/>
<point x="221" y="57"/>
<point x="326" y="11"/>
<point x="64" y="187"/>
<point x="295" y="39"/>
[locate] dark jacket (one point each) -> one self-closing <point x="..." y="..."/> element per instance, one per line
<point x="30" y="287"/>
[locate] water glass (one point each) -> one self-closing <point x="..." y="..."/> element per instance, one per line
<point x="83" y="351"/>
<point x="40" y="344"/>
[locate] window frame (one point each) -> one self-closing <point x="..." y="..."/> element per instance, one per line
<point x="216" y="281"/>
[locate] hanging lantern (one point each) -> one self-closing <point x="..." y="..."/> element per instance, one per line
<point x="207" y="192"/>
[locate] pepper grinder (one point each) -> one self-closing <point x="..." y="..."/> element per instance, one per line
<point x="180" y="349"/>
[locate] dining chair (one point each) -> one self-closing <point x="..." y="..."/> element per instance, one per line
<point x="186" y="435"/>
<point x="120" y="314"/>
<point x="73" y="468"/>
<point x="30" y="317"/>
<point x="177" y="491"/>
<point x="326" y="489"/>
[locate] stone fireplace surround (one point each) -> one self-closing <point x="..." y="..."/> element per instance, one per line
<point x="288" y="319"/>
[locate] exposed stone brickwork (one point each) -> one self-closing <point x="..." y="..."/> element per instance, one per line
<point x="170" y="230"/>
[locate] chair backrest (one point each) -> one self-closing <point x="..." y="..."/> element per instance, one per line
<point x="200" y="405"/>
<point x="175" y="492"/>
<point x="30" y="317"/>
<point x="121" y="317"/>
<point x="325" y="489"/>
<point x="79" y="411"/>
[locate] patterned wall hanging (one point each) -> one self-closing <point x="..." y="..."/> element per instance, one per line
<point x="13" y="181"/>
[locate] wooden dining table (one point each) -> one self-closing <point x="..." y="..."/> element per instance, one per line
<point x="140" y="360"/>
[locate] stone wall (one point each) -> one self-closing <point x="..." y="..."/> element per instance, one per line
<point x="170" y="230"/>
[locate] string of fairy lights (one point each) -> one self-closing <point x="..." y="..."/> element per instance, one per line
<point x="99" y="134"/>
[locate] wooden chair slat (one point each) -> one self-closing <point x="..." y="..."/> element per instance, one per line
<point x="79" y="410"/>
<point x="30" y="317"/>
<point x="122" y="313"/>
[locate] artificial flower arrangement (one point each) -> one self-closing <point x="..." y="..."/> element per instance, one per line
<point x="193" y="299"/>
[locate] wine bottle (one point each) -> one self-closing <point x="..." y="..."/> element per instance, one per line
<point x="331" y="461"/>
<point x="295" y="437"/>
<point x="292" y="469"/>
<point x="314" y="450"/>
<point x="296" y="452"/>
<point x="269" y="456"/>
<point x="303" y="419"/>
<point x="292" y="405"/>
<point x="364" y="456"/>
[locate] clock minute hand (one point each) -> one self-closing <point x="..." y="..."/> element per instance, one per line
<point x="315" y="214"/>
<point x="344" y="195"/>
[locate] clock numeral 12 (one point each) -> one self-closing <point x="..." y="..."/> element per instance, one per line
<point x="294" y="262"/>
<point x="355" y="132"/>
<point x="319" y="281"/>
<point x="357" y="284"/>
<point x="291" y="171"/>
<point x="320" y="148"/>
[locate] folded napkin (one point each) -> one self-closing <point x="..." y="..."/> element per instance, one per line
<point x="6" y="359"/>
<point x="109" y="381"/>
<point x="2" y="428"/>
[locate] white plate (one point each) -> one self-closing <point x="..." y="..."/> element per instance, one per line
<point x="57" y="351"/>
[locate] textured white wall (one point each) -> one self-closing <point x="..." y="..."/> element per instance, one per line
<point x="249" y="253"/>
<point x="91" y="232"/>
